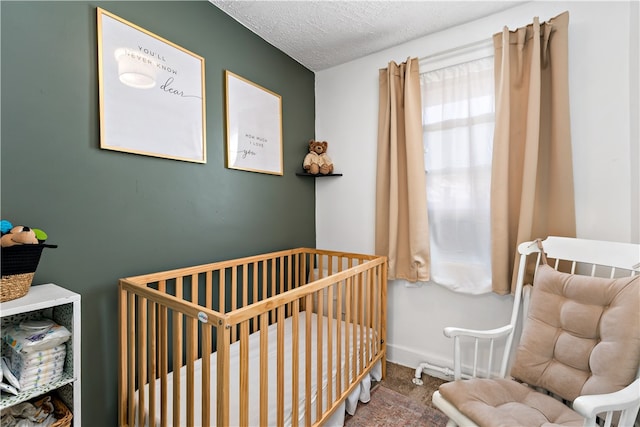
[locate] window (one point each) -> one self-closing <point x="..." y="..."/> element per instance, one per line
<point x="458" y="122"/>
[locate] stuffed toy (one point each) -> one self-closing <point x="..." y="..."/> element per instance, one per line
<point x="317" y="161"/>
<point x="19" y="235"/>
<point x="5" y="226"/>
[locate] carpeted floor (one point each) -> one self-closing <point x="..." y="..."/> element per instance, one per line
<point x="396" y="401"/>
<point x="399" y="379"/>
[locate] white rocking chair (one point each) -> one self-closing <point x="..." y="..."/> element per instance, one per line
<point x="578" y="359"/>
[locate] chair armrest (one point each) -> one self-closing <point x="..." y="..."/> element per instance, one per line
<point x="626" y="399"/>
<point x="485" y="336"/>
<point x="452" y="332"/>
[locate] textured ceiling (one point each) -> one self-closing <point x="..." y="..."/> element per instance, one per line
<point x="322" y="34"/>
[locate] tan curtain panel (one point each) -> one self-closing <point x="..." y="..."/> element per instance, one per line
<point x="532" y="174"/>
<point x="402" y="230"/>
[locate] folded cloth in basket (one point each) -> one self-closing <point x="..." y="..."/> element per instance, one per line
<point x="27" y="414"/>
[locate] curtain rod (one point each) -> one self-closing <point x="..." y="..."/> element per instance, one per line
<point x="486" y="43"/>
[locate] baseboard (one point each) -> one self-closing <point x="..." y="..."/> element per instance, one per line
<point x="411" y="358"/>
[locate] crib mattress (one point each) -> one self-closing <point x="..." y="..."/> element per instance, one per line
<point x="254" y="375"/>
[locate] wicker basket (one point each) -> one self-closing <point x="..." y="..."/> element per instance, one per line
<point x="61" y="413"/>
<point x="18" y="267"/>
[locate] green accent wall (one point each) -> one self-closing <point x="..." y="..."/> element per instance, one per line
<point x="116" y="214"/>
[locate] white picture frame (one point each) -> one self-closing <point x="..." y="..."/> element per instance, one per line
<point x="152" y="93"/>
<point x="253" y="126"/>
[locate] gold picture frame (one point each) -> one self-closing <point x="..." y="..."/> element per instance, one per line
<point x="152" y="93"/>
<point x="254" y="126"/>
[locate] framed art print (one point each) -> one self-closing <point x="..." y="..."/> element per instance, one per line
<point x="254" y="126"/>
<point x="152" y="93"/>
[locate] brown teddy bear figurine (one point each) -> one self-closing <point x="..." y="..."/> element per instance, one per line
<point x="317" y="160"/>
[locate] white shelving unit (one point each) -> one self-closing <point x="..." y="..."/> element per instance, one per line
<point x="62" y="306"/>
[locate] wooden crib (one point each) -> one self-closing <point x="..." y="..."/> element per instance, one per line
<point x="273" y="339"/>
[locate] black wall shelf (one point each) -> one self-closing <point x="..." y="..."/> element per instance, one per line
<point x="318" y="175"/>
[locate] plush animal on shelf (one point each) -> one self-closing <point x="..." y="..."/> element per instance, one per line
<point x="19" y="235"/>
<point x="317" y="161"/>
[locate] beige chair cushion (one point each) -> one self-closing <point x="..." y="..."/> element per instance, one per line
<point x="507" y="403"/>
<point x="582" y="334"/>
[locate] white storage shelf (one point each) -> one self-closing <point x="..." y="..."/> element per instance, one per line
<point x="62" y="306"/>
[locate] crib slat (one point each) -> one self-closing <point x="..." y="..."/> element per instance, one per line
<point x="153" y="355"/>
<point x="245" y="285"/>
<point x="312" y="268"/>
<point x="374" y="313"/>
<point x="177" y="354"/>
<point x="222" y="387"/>
<point x="244" y="373"/>
<point x="329" y="345"/>
<point x="295" y="361"/>
<point x="354" y="327"/>
<point x="319" y="354"/>
<point x="307" y="361"/>
<point x="361" y="321"/>
<point x="273" y="286"/>
<point x="191" y="357"/>
<point x="142" y="356"/>
<point x="265" y="290"/>
<point x="191" y="352"/>
<point x="255" y="292"/>
<point x="164" y="359"/>
<point x="264" y="369"/>
<point x="208" y="289"/>
<point x="234" y="300"/>
<point x="281" y="283"/>
<point x="206" y="373"/>
<point x="132" y="355"/>
<point x="289" y="284"/>
<point x="302" y="262"/>
<point x="206" y="351"/>
<point x="366" y="303"/>
<point x="347" y="320"/>
<point x="280" y="367"/>
<point x="191" y="340"/>
<point x="339" y="356"/>
<point x="222" y="285"/>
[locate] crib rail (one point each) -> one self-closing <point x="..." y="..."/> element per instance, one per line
<point x="172" y="321"/>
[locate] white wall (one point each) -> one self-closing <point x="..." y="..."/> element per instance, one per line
<point x="603" y="69"/>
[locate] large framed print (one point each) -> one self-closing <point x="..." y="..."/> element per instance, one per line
<point x="254" y="126"/>
<point x="152" y="93"/>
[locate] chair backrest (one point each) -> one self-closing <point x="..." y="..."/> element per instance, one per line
<point x="582" y="331"/>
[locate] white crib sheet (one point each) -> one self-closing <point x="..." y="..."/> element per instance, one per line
<point x="361" y="392"/>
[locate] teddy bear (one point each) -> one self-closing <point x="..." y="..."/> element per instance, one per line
<point x="19" y="235"/>
<point x="317" y="160"/>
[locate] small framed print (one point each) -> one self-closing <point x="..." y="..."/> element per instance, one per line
<point x="254" y="126"/>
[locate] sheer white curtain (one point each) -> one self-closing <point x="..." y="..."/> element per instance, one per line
<point x="458" y="123"/>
